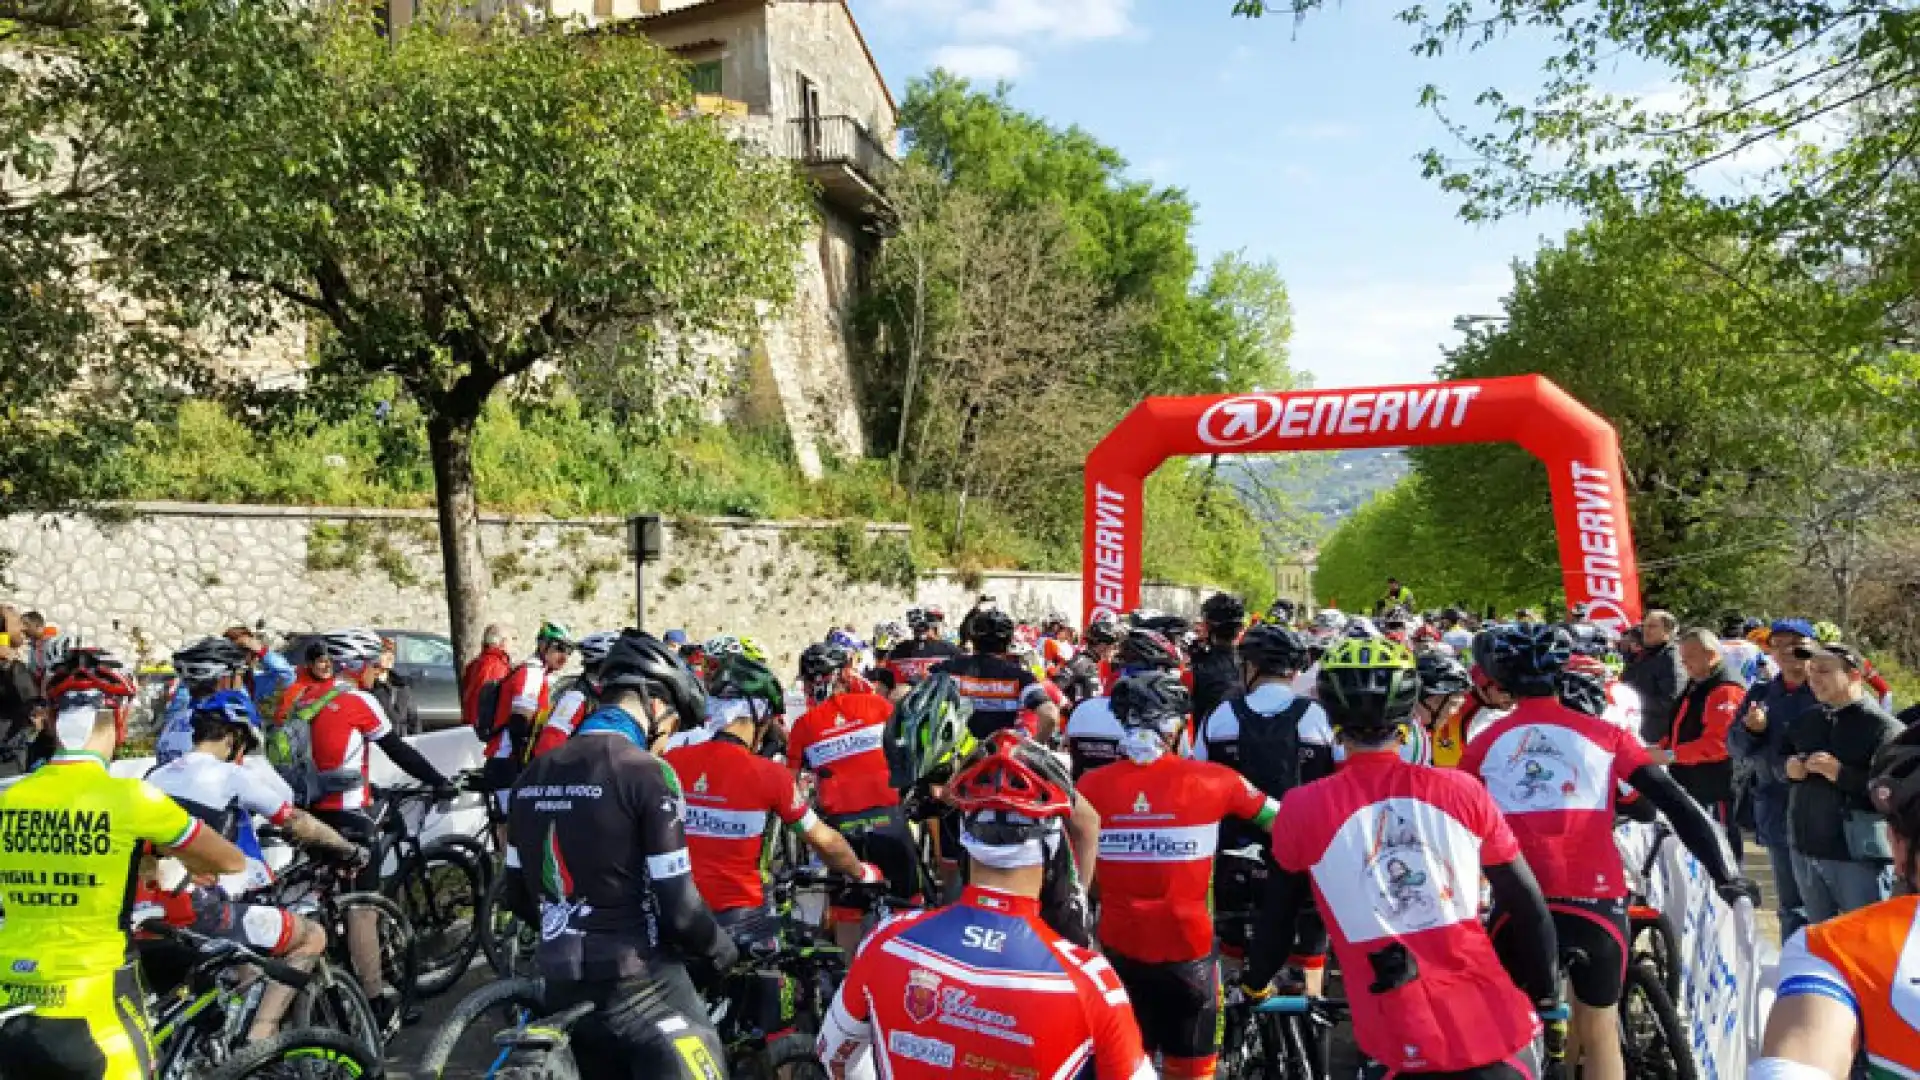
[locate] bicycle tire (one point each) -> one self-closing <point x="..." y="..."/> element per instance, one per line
<point x="333" y="1001"/>
<point x="310" y="1045"/>
<point x="506" y="994"/>
<point x="1664" y="952"/>
<point x="399" y="957"/>
<point x="1300" y="1056"/>
<point x="443" y="912"/>
<point x="507" y="942"/>
<point x="1653" y="1043"/>
<point x="795" y="1052"/>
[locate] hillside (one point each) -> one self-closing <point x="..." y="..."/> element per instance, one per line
<point x="1329" y="486"/>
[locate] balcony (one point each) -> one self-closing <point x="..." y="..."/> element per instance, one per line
<point x="850" y="166"/>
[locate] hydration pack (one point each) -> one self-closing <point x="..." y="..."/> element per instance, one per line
<point x="290" y="750"/>
<point x="1270" y="746"/>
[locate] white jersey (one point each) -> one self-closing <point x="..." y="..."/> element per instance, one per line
<point x="1093" y="735"/>
<point x="1459" y="639"/>
<point x="228" y="797"/>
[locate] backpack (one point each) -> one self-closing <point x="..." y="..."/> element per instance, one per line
<point x="1270" y="745"/>
<point x="486" y="709"/>
<point x="290" y="748"/>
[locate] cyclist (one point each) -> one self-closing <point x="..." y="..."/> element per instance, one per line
<point x="204" y="668"/>
<point x="1443" y="688"/>
<point x="1159" y="822"/>
<point x="312" y="678"/>
<point x="85" y="671"/>
<point x="578" y="699"/>
<point x="983" y="987"/>
<point x="1216" y="671"/>
<point x="72" y="839"/>
<point x="1093" y="732"/>
<point x="1844" y="983"/>
<point x="525" y="702"/>
<point x="211" y="783"/>
<point x="997" y="685"/>
<point x="1394" y="855"/>
<point x="598" y="859"/>
<point x="911" y="660"/>
<point x="1556" y="774"/>
<point x="1281" y="612"/>
<point x="270" y="672"/>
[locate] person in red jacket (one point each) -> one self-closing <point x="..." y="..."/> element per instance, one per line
<point x="1694" y="748"/>
<point x="493" y="663"/>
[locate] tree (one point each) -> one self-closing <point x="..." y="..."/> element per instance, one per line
<point x="451" y="207"/>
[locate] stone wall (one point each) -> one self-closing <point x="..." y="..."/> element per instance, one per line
<point x="147" y="580"/>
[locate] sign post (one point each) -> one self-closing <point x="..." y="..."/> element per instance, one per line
<point x="647" y="541"/>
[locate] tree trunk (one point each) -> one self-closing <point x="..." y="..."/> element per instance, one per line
<point x="450" y="441"/>
<point x="915" y="343"/>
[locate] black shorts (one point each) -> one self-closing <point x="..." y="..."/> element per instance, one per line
<point x="497" y="777"/>
<point x="1524" y="1065"/>
<point x="261" y="927"/>
<point x="1240" y="886"/>
<point x="356" y="826"/>
<point x="879" y="836"/>
<point x="1177" y="1005"/>
<point x="1593" y="936"/>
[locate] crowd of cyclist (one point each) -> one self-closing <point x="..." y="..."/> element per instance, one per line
<point x="1346" y="784"/>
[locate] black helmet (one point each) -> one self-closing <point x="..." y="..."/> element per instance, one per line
<point x="1523" y="659"/>
<point x="1172" y="627"/>
<point x="1105" y="630"/>
<point x="1895" y="784"/>
<point x="1158" y="700"/>
<point x="639" y="661"/>
<point x="992" y="630"/>
<point x="1147" y="649"/>
<point x="1274" y="647"/>
<point x="1281" y="611"/>
<point x="1222" y="609"/>
<point x="1441" y="674"/>
<point x="822" y="660"/>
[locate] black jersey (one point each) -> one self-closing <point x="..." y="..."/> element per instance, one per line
<point x="998" y="688"/>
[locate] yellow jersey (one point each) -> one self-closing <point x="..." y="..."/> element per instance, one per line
<point x="71" y="837"/>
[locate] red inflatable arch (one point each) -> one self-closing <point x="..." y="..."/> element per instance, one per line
<point x="1580" y="450"/>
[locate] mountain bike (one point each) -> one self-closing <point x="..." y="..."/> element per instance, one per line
<point x="468" y="1032"/>
<point x="318" y="890"/>
<point x="440" y="886"/>
<point x="1653" y="1041"/>
<point x="798" y="963"/>
<point x="1282" y="1038"/>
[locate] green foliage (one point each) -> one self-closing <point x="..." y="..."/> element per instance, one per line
<point x="863" y="558"/>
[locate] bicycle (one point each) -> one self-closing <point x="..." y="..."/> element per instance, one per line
<point x="811" y="968"/>
<point x="516" y="1001"/>
<point x="1281" y="1038"/>
<point x="1653" y="1042"/>
<point x="440" y="887"/>
<point x="316" y="890"/>
<point x="1651" y="933"/>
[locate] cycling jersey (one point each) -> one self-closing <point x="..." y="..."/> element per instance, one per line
<point x="1623" y="708"/>
<point x="982" y="989"/>
<point x="1394" y="853"/>
<point x="1459" y="639"/>
<point x="1159" y="826"/>
<point x="70" y="841"/>
<point x="1055" y="653"/>
<point x="524" y="692"/>
<point x="1447" y="739"/>
<point x="571" y="708"/>
<point x="997" y="687"/>
<point x="343" y="730"/>
<point x="1216" y="677"/>
<point x="1555" y="773"/>
<point x="1093" y="735"/>
<point x="910" y="661"/>
<point x="1863" y="960"/>
<point x="227" y="797"/>
<point x="732" y="797"/>
<point x="839" y="742"/>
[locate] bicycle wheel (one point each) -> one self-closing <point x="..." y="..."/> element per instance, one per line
<point x="792" y="1057"/>
<point x="399" y="957"/>
<point x="507" y="941"/>
<point x="306" y="1053"/>
<point x="467" y="1034"/>
<point x="1242" y="1051"/>
<point x="1658" y="942"/>
<point x="1651" y="1038"/>
<point x="441" y="896"/>
<point x="333" y="1001"/>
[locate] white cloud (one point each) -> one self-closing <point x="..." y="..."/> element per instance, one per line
<point x="1383" y="330"/>
<point x="1061" y="20"/>
<point x="984" y="62"/>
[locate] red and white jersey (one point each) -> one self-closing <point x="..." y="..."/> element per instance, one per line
<point x="1555" y="773"/>
<point x="525" y="690"/>
<point x="1159" y="826"/>
<point x="342" y="731"/>
<point x="1623" y="708"/>
<point x="732" y="795"/>
<point x="1394" y="852"/>
<point x="839" y="742"/>
<point x="567" y="712"/>
<point x="982" y="990"/>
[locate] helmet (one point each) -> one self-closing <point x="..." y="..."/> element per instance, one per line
<point x="1280" y="611"/>
<point x="721" y="645"/>
<point x="353" y="649"/>
<point x="992" y="630"/>
<point x="594" y="647"/>
<point x="1052" y="621"/>
<point x="1523" y="658"/>
<point x="1158" y="700"/>
<point x="1396" y="619"/>
<point x="887" y="634"/>
<point x="1588" y="639"/>
<point x="1441" y="674"/>
<point x="823" y="660"/>
<point x="553" y="633"/>
<point x="751" y="649"/>
<point x="207" y="659"/>
<point x="1895" y="784"/>
<point x="845" y="640"/>
<point x="1220" y="609"/>
<point x="1329" y="620"/>
<point x="1368" y="686"/>
<point x="740" y="679"/>
<point x="1361" y="627"/>
<point x="1104" y="630"/>
<point x="1011" y="775"/>
<point x="916" y="619"/>
<point x="1274" y="647"/>
<point x="927" y="733"/>
<point x="1582" y="685"/>
<point x="85" y="669"/>
<point x="1826" y="632"/>
<point x="1452" y="615"/>
<point x="234" y="709"/>
<point x="1147" y="649"/>
<point x="639" y="661"/>
<point x="1174" y="627"/>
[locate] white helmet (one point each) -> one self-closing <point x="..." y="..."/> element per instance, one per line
<point x="1330" y="620"/>
<point x="594" y="647"/>
<point x="353" y="648"/>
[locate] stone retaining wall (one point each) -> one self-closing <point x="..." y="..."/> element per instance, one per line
<point x="151" y="576"/>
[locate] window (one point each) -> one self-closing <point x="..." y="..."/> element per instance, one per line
<point x="421" y="650"/>
<point x="705" y="77"/>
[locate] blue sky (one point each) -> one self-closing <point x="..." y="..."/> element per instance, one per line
<point x="1297" y="144"/>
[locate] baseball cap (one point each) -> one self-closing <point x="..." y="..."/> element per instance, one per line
<point x="1791" y="626"/>
<point x="679" y="637"/>
<point x="1846" y="654"/>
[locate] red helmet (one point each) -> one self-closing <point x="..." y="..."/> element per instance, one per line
<point x="1012" y="774"/>
<point x="86" y="669"/>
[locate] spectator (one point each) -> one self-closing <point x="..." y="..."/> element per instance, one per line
<point x="17" y="695"/>
<point x="1694" y="748"/>
<point x="493" y="664"/>
<point x="677" y="641"/>
<point x="1759" y="739"/>
<point x="272" y="672"/>
<point x="33" y="650"/>
<point x="394" y="691"/>
<point x="1836" y="860"/>
<point x="1656" y="675"/>
<point x="1396" y="596"/>
<point x="316" y="670"/>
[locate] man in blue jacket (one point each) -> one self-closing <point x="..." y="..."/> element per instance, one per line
<point x="1758" y="738"/>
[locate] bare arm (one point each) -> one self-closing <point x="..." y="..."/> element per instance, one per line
<point x="310" y="831"/>
<point x="207" y="852"/>
<point x="1049" y="717"/>
<point x="1083" y="833"/>
<point x="1812" y="1030"/>
<point x="834" y="849"/>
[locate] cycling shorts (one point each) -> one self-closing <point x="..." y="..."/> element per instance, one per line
<point x="1239" y="892"/>
<point x="87" y="1029"/>
<point x="356" y="826"/>
<point x="497" y="776"/>
<point x="1525" y="1065"/>
<point x="655" y="1028"/>
<point x="260" y="927"/>
<point x="1178" y="1006"/>
<point x="1593" y="937"/>
<point x="879" y="836"/>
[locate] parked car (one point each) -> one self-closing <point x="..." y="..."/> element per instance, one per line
<point x="425" y="660"/>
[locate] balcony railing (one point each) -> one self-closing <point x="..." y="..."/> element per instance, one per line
<point x="840" y="140"/>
